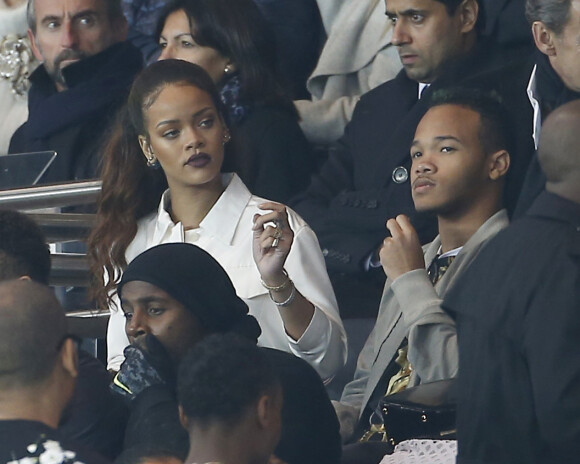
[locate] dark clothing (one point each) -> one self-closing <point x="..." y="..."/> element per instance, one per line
<point x="348" y="203"/>
<point x="310" y="429"/>
<point x="94" y="417"/>
<point x="297" y="26"/>
<point x="270" y="153"/>
<point x="29" y="439"/>
<point x="506" y="24"/>
<point x="73" y="122"/>
<point x="518" y="322"/>
<point x="551" y="94"/>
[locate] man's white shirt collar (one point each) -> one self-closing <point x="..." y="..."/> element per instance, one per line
<point x="533" y="97"/>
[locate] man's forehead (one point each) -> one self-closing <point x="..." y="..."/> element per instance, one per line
<point x="449" y="119"/>
<point x="400" y="6"/>
<point x="59" y="8"/>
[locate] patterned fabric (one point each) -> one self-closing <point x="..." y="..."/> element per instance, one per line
<point x="400" y="380"/>
<point x="143" y="15"/>
<point x="46" y="451"/>
<point x="423" y="452"/>
<point x="141" y="369"/>
<point x="16" y="62"/>
<point x="230" y="95"/>
<point x="438" y="267"/>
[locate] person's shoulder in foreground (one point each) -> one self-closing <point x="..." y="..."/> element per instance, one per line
<point x="518" y="328"/>
<point x="39" y="373"/>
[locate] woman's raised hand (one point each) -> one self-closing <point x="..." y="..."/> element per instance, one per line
<point x="272" y="242"/>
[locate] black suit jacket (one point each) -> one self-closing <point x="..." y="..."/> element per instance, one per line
<point x="350" y="200"/>
<point x="74" y="122"/>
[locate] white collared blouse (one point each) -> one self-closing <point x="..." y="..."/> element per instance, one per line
<point x="226" y="233"/>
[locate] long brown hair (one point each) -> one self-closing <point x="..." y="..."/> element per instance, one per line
<point x="131" y="189"/>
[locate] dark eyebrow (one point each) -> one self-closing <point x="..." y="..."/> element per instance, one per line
<point x="50" y="18"/>
<point x="145" y="300"/>
<point x="439" y="138"/>
<point x="195" y="115"/>
<point x="87" y="12"/>
<point x="183" y="34"/>
<point x="80" y="14"/>
<point x="178" y="36"/>
<point x="409" y="12"/>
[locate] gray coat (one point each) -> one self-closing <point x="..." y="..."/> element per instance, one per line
<point x="411" y="307"/>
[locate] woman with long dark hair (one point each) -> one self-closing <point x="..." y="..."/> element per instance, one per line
<point x="162" y="183"/>
<point x="231" y="40"/>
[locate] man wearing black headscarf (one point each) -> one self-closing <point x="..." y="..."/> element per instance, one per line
<point x="175" y="294"/>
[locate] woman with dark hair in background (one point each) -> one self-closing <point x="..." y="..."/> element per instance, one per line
<point x="231" y="40"/>
<point x="172" y="138"/>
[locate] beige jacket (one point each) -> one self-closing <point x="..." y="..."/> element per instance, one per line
<point x="357" y="57"/>
<point x="411" y="307"/>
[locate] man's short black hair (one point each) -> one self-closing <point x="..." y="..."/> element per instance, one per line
<point x="452" y="5"/>
<point x="222" y="376"/>
<point x="496" y="127"/>
<point x="23" y="248"/>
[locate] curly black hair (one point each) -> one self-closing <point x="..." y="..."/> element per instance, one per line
<point x="23" y="248"/>
<point x="222" y="376"/>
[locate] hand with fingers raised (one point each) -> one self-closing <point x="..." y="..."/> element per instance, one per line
<point x="272" y="242"/>
<point x="401" y="252"/>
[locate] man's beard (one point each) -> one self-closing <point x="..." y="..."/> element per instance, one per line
<point x="55" y="69"/>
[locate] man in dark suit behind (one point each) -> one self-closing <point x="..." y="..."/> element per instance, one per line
<point x="365" y="180"/>
<point x="86" y="72"/>
<point x="555" y="78"/>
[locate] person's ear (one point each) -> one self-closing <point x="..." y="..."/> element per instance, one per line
<point x="269" y="409"/>
<point x="264" y="409"/>
<point x="468" y="12"/>
<point x="182" y="418"/>
<point x="69" y="357"/>
<point x="544" y="38"/>
<point x="147" y="150"/>
<point x="499" y="164"/>
<point x="35" y="50"/>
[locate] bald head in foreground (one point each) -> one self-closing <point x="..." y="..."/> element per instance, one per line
<point x="34" y="354"/>
<point x="559" y="151"/>
<point x="518" y="322"/>
<point x="38" y="371"/>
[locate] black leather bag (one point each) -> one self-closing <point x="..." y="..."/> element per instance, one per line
<point x="424" y="411"/>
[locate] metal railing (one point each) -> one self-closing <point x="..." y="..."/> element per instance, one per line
<point x="51" y="196"/>
<point x="68" y="269"/>
<point x="61" y="227"/>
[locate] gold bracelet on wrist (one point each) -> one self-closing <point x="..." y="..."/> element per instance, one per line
<point x="288" y="301"/>
<point x="277" y="288"/>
